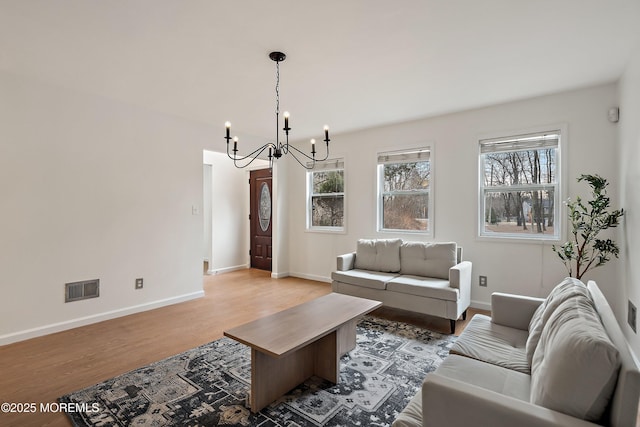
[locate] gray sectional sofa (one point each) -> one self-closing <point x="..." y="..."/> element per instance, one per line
<point x="559" y="361"/>
<point x="428" y="278"/>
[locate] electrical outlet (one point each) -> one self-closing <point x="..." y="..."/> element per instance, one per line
<point x="483" y="281"/>
<point x="631" y="316"/>
<point x="139" y="283"/>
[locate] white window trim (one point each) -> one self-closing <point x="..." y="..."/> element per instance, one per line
<point x="380" y="185"/>
<point x="326" y="166"/>
<point x="562" y="187"/>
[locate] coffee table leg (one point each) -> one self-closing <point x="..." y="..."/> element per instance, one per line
<point x="327" y="358"/>
<point x="347" y="337"/>
<point x="333" y="346"/>
<point x="272" y="377"/>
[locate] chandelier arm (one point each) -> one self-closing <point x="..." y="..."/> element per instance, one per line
<point x="326" y="155"/>
<point x="284" y="148"/>
<point x="235" y="163"/>
<point x="293" y="154"/>
<point x="253" y="155"/>
<point x="301" y="152"/>
<point x="309" y="157"/>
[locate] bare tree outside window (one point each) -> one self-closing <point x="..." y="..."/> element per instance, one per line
<point x="519" y="180"/>
<point x="405" y="195"/>
<point x="327" y="198"/>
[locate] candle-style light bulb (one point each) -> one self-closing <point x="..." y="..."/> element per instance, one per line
<point x="326" y="132"/>
<point x="286" y="119"/>
<point x="227" y="125"/>
<point x="313" y="146"/>
<point x="235" y="143"/>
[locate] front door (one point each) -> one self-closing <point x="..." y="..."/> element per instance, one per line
<point x="260" y="218"/>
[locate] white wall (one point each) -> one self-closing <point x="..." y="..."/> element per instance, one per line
<point x="93" y="189"/>
<point x="207" y="209"/>
<point x="280" y="217"/>
<point x="629" y="287"/>
<point x="527" y="268"/>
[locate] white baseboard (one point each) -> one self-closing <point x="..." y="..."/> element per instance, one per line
<point x="100" y="317"/>
<point x="312" y="277"/>
<point x="213" y="271"/>
<point x="279" y="275"/>
<point x="481" y="305"/>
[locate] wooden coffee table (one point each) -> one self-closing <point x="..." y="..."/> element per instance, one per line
<point x="290" y="346"/>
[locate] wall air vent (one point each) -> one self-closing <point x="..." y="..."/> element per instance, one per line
<point x="77" y="291"/>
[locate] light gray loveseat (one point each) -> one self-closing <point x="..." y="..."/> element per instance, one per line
<point x="428" y="278"/>
<point x="559" y="361"/>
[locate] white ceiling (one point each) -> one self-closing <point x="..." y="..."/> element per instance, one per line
<point x="350" y="63"/>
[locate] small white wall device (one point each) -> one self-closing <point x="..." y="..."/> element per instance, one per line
<point x="614" y="114"/>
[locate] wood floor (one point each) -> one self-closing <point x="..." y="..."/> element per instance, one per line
<point x="42" y="369"/>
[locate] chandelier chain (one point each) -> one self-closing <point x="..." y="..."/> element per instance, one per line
<point x="277" y="88"/>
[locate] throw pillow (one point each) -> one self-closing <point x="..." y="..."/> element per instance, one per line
<point x="388" y="255"/>
<point x="378" y="255"/>
<point x="575" y="365"/>
<point x="366" y="254"/>
<point x="428" y="259"/>
<point x="566" y="289"/>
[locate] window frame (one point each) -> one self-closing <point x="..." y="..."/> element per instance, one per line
<point x="559" y="187"/>
<point x="330" y="165"/>
<point x="380" y="193"/>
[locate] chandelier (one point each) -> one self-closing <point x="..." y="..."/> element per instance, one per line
<point x="276" y="149"/>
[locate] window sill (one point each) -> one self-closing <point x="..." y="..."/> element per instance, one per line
<point x="428" y="234"/>
<point x="326" y="230"/>
<point x="518" y="239"/>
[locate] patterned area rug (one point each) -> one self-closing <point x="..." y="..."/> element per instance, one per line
<point x="208" y="385"/>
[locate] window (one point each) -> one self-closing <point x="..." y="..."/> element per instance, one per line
<point x="519" y="186"/>
<point x="325" y="184"/>
<point x="404" y="191"/>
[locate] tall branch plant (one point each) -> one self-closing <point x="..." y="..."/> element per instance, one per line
<point x="585" y="251"/>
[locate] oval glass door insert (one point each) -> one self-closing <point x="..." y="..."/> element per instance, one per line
<point x="264" y="212"/>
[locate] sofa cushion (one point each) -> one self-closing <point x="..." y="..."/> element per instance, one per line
<point x="366" y="254"/>
<point x="411" y="415"/>
<point x="492" y="343"/>
<point x="378" y="255"/>
<point x="487" y="376"/>
<point x="364" y="278"/>
<point x="423" y="287"/>
<point x="575" y="364"/>
<point x="566" y="289"/>
<point x="427" y="259"/>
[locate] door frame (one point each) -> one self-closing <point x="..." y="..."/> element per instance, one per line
<point x="255" y="195"/>
<point x="278" y="234"/>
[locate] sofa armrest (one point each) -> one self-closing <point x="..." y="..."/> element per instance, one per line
<point x="514" y="311"/>
<point x="346" y="261"/>
<point x="447" y="402"/>
<point x="460" y="276"/>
